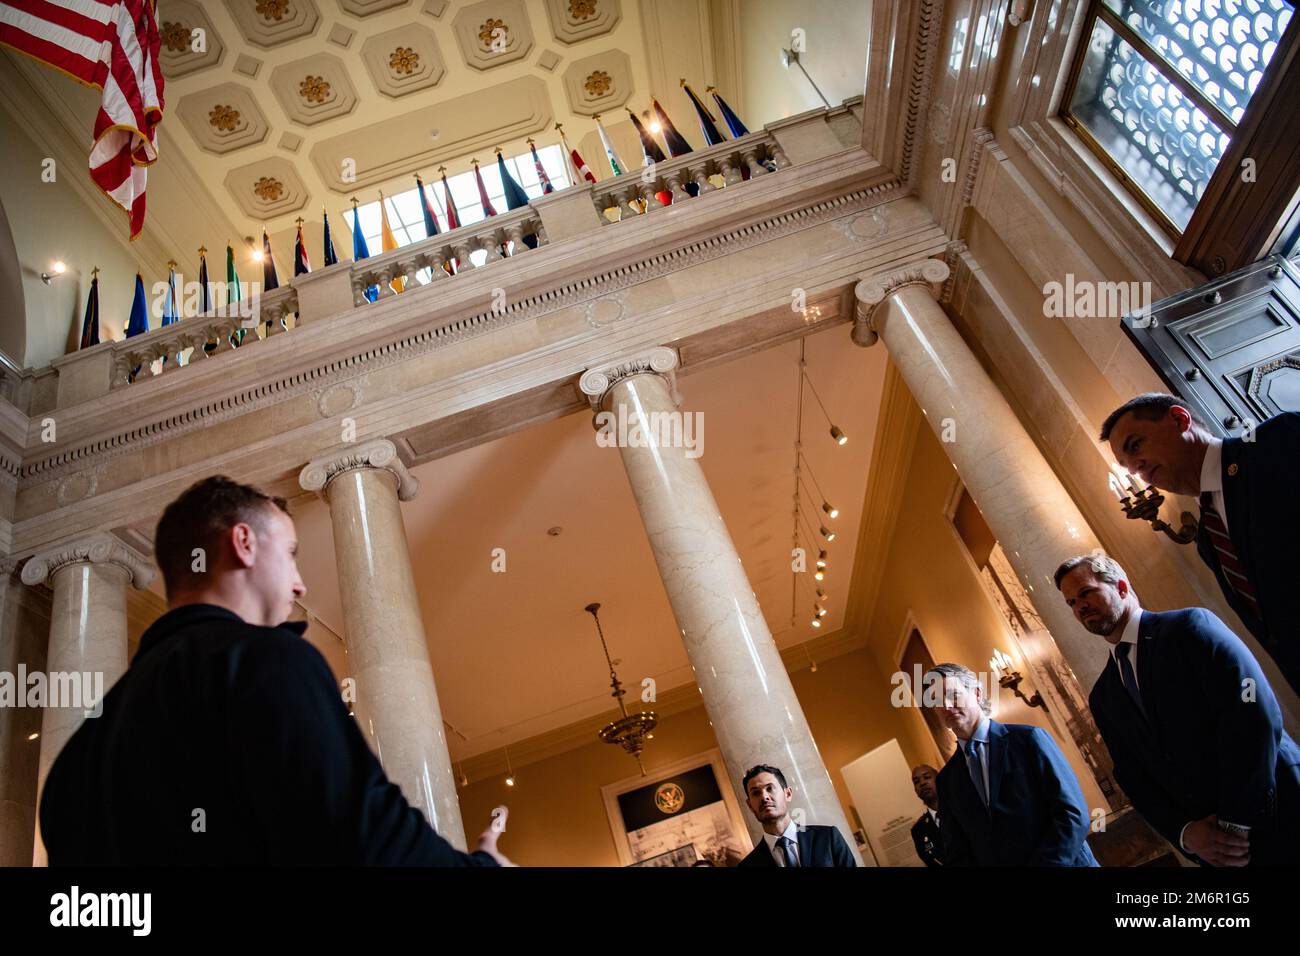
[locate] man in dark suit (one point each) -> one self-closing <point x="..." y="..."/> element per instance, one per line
<point x="227" y="741"/>
<point x="1191" y="723"/>
<point x="785" y="843"/>
<point x="1249" y="490"/>
<point x="925" y="831"/>
<point x="1007" y="796"/>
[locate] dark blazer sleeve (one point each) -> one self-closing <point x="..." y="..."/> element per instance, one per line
<point x="1248" y="721"/>
<point x="319" y="794"/>
<point x="1067" y="824"/>
<point x="956" y="845"/>
<point x="841" y="855"/>
<point x="1150" y="798"/>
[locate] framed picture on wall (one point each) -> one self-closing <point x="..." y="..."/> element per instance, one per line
<point x="678" y="815"/>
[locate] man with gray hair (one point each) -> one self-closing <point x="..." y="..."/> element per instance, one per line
<point x="1190" y="721"/>
<point x="1007" y="796"/>
<point x="1250" y="511"/>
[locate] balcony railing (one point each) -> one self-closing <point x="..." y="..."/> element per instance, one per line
<point x="640" y="191"/>
<point x="337" y="290"/>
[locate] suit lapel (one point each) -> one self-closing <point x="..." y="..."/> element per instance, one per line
<point x="1237" y="503"/>
<point x="805" y="847"/>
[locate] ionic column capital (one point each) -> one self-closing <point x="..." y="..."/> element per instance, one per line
<point x="597" y="382"/>
<point x="873" y="290"/>
<point x="98" y="548"/>
<point x="376" y="453"/>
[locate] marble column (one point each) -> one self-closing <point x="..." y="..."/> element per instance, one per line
<point x="746" y="690"/>
<point x="396" y="700"/>
<point x="1027" y="508"/>
<point x="24" y="632"/>
<point x="88" y="632"/>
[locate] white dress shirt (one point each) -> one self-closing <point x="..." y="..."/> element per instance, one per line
<point x="1212" y="477"/>
<point x="791" y="831"/>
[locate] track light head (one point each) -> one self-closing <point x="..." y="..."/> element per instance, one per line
<point x="831" y="511"/>
<point x="839" y="436"/>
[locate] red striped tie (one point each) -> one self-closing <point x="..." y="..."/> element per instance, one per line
<point x="1232" y="569"/>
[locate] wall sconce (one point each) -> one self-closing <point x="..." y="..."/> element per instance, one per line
<point x="1019" y="12"/>
<point x="1143" y="504"/>
<point x="1008" y="677"/>
<point x="57" y="269"/>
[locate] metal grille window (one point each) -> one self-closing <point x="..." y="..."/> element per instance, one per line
<point x="1160" y="87"/>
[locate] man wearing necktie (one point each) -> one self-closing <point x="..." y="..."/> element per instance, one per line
<point x="1007" y="796"/>
<point x="784" y="842"/>
<point x="1191" y="723"/>
<point x="1249" y="492"/>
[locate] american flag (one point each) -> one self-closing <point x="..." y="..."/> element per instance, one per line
<point x="113" y="46"/>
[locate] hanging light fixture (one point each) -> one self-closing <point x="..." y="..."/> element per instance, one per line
<point x="510" y="773"/>
<point x="630" y="731"/>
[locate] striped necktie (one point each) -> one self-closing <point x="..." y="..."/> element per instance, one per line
<point x="1233" y="571"/>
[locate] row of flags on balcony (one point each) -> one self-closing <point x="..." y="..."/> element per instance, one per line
<point x="515" y="198"/>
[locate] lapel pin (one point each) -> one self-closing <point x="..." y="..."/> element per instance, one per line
<point x="1232" y="469"/>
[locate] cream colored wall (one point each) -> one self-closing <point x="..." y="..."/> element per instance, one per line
<point x="557" y="814"/>
<point x="836" y="33"/>
<point x="51" y="221"/>
<point x="930" y="582"/>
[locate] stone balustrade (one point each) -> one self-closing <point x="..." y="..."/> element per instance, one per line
<point x="577" y="212"/>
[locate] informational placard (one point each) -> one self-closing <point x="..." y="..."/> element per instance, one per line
<point x="880" y="782"/>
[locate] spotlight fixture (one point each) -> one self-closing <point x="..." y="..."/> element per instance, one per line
<point x="821" y="560"/>
<point x="831" y="512"/>
<point x="815" y="622"/>
<point x="821" y="611"/>
<point x="510" y="772"/>
<point x="827" y="533"/>
<point x="821" y="594"/>
<point x="510" y="781"/>
<point x="58" y="268"/>
<point x="836" y="434"/>
<point x="820" y="575"/>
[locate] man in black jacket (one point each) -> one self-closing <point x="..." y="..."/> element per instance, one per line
<point x="784" y="842"/>
<point x="1250" y="509"/>
<point x="925" y="831"/>
<point x="1191" y="723"/>
<point x="227" y="741"/>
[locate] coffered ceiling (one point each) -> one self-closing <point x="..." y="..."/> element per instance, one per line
<point x="285" y="106"/>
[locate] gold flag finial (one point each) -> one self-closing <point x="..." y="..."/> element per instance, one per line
<point x="560" y="127"/>
<point x="474" y="161"/>
<point x="442" y="169"/>
<point x="171" y="263"/>
<point x="353" y="200"/>
<point x="203" y="250"/>
<point x="709" y="89"/>
<point x="498" y="150"/>
<point x="529" y="141"/>
<point x="596" y="117"/>
<point x="300" y="221"/>
<point x="94" y="273"/>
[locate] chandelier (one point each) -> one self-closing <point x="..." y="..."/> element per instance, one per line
<point x="630" y="731"/>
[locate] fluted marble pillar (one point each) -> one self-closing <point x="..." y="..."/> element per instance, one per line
<point x="396" y="700"/>
<point x="1028" y="509"/>
<point x="88" y="631"/>
<point x="746" y="690"/>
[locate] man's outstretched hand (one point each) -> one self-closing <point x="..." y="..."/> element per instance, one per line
<point x="487" y="840"/>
